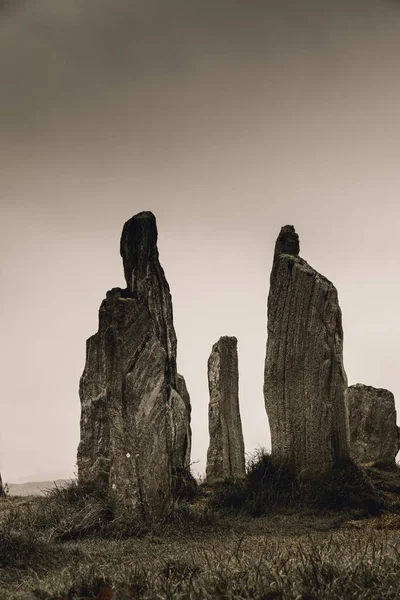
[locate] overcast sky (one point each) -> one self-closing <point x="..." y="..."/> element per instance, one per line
<point x="227" y="119"/>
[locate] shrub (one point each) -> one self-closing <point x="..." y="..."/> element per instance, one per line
<point x="270" y="487"/>
<point x="347" y="487"/>
<point x="266" y="487"/>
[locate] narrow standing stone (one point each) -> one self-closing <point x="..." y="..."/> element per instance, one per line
<point x="135" y="421"/>
<point x="225" y="456"/>
<point x="374" y="434"/>
<point x="305" y="382"/>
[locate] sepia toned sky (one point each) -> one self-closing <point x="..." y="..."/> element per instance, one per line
<point x="227" y="119"/>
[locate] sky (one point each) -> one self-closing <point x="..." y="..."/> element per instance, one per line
<point x="227" y="119"/>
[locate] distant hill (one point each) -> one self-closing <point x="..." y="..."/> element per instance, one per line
<point x="35" y="488"/>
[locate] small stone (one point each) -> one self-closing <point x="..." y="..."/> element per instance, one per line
<point x="374" y="434"/>
<point x="225" y="456"/>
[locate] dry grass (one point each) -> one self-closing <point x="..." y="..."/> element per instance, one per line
<point x="69" y="545"/>
<point x="266" y="558"/>
<point x="387" y="522"/>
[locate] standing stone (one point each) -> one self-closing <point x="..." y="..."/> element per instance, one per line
<point x="374" y="434"/>
<point x="305" y="382"/>
<point x="135" y="420"/>
<point x="2" y="491"/>
<point x="225" y="456"/>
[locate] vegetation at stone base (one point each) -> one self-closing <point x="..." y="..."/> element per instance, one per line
<point x="313" y="543"/>
<point x="77" y="512"/>
<point x="385" y="475"/>
<point x="268" y="487"/>
<point x="185" y="486"/>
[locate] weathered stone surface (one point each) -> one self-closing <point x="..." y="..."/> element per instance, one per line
<point x="305" y="382"/>
<point x="181" y="431"/>
<point x="374" y="434"/>
<point x="225" y="456"/>
<point x="135" y="420"/>
<point x="146" y="280"/>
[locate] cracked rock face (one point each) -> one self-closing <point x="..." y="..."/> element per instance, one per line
<point x="225" y="456"/>
<point x="374" y="434"/>
<point x="305" y="384"/>
<point x="135" y="419"/>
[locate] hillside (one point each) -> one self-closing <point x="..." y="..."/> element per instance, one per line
<point x="34" y="488"/>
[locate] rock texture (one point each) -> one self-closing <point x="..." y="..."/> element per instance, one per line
<point x="135" y="419"/>
<point x="305" y="383"/>
<point x="374" y="434"/>
<point x="225" y="456"/>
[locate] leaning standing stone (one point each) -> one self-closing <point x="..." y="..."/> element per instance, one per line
<point x="374" y="434"/>
<point x="225" y="456"/>
<point x="305" y="382"/>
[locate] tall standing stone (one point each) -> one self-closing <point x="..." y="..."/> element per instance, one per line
<point x="225" y="456"/>
<point x="135" y="419"/>
<point x="374" y="434"/>
<point x="305" y="382"/>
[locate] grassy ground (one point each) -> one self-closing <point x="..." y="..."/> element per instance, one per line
<point x="67" y="545"/>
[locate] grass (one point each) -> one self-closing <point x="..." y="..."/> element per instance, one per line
<point x="268" y="487"/>
<point x="185" y="486"/>
<point x="261" y="563"/>
<point x="306" y="543"/>
<point x="385" y="476"/>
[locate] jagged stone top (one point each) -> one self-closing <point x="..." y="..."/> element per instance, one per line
<point x="287" y="246"/>
<point x="288" y="241"/>
<point x="361" y="387"/>
<point x="225" y="341"/>
<point x="138" y="247"/>
<point x="145" y="279"/>
<point x="230" y="339"/>
<point x="305" y="382"/>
